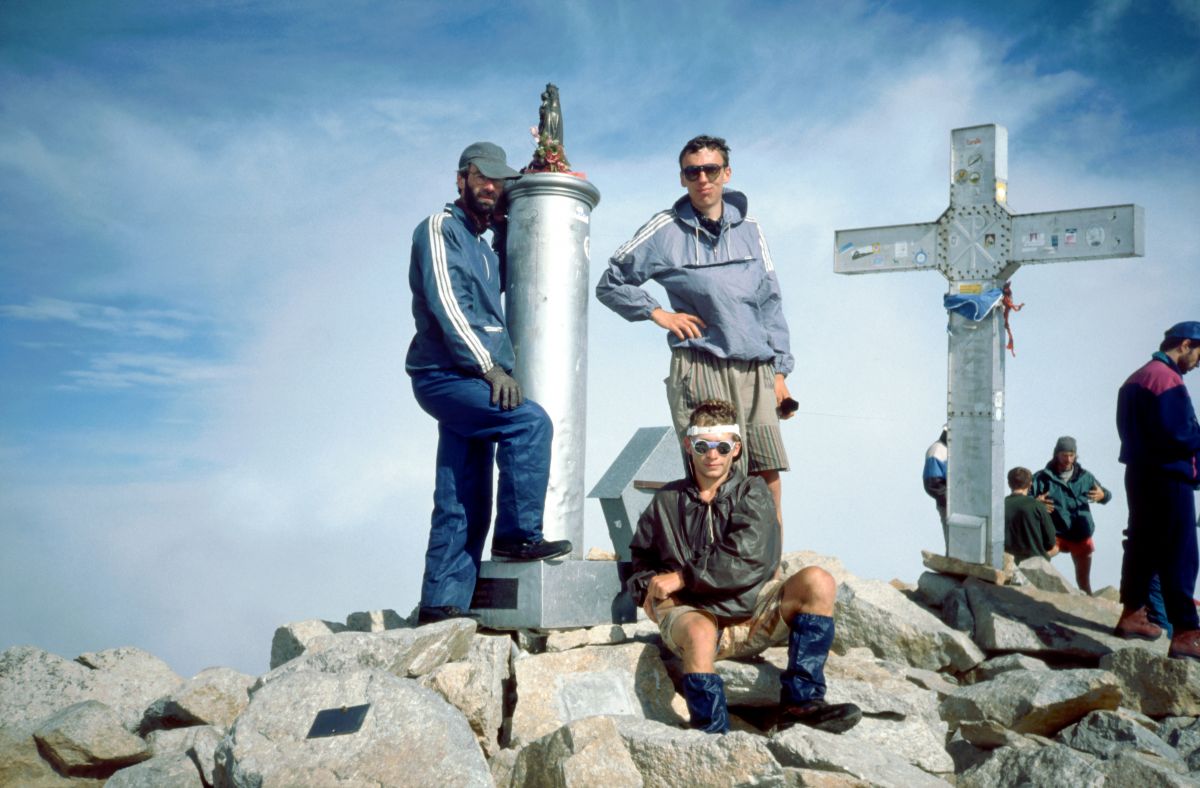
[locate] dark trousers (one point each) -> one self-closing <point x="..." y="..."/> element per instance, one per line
<point x="471" y="432"/>
<point x="1160" y="540"/>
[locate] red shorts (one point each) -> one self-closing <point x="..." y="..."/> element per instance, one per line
<point x="1080" y="549"/>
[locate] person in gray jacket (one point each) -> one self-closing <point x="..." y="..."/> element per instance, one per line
<point x="704" y="562"/>
<point x="726" y="329"/>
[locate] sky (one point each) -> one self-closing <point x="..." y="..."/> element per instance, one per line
<point x="206" y="430"/>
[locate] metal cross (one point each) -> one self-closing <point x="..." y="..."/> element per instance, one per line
<point x="977" y="244"/>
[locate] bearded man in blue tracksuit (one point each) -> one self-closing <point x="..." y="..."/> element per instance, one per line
<point x="461" y="362"/>
<point x="728" y="336"/>
<point x="1160" y="441"/>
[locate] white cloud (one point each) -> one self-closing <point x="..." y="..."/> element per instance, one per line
<point x="166" y="324"/>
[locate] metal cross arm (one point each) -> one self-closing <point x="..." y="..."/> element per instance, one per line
<point x="978" y="244"/>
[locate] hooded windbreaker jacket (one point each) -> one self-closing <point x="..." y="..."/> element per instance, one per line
<point x="728" y="281"/>
<point x="725" y="550"/>
<point x="1072" y="515"/>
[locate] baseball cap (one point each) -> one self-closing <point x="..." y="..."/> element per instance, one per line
<point x="1188" y="329"/>
<point x="489" y="159"/>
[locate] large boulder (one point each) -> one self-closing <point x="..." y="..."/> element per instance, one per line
<point x="35" y="684"/>
<point x="1146" y="771"/>
<point x="1040" y="573"/>
<point x="554" y="689"/>
<point x="1106" y="735"/>
<point x="291" y="640"/>
<point x="198" y="742"/>
<point x="1036" y="767"/>
<point x="581" y="754"/>
<point x="22" y="766"/>
<point x="168" y="771"/>
<point x="405" y="653"/>
<point x="806" y="748"/>
<point x="410" y="736"/>
<point x="475" y="686"/>
<point x="88" y="739"/>
<point x="214" y="696"/>
<point x="873" y="614"/>
<point x="671" y="756"/>
<point x="1044" y="623"/>
<point x="128" y="680"/>
<point x="1042" y="702"/>
<point x="1154" y="683"/>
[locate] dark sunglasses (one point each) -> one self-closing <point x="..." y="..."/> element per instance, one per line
<point x="722" y="447"/>
<point x="711" y="171"/>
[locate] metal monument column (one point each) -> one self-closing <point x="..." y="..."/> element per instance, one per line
<point x="546" y="301"/>
<point x="977" y="244"/>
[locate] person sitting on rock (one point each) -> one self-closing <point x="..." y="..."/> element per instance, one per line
<point x="1028" y="529"/>
<point x="704" y="560"/>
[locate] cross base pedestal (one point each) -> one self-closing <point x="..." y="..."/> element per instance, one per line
<point x="552" y="594"/>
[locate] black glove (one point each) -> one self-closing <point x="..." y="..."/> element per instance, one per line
<point x="506" y="392"/>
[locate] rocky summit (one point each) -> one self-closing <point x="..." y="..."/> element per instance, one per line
<point x="1001" y="678"/>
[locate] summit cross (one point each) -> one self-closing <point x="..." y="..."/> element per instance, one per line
<point x="978" y="244"/>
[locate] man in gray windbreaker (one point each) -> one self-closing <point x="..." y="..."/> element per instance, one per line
<point x="727" y="333"/>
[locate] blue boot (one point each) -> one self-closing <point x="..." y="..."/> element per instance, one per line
<point x="802" y="694"/>
<point x="705" y="696"/>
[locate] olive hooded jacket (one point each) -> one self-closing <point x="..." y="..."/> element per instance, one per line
<point x="725" y="550"/>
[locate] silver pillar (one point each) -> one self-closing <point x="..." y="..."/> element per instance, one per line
<point x="548" y="285"/>
<point x="975" y="468"/>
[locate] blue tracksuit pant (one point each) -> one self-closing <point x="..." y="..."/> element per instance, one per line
<point x="471" y="431"/>
<point x="1161" y="539"/>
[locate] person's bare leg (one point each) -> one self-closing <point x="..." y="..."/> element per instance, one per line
<point x="1083" y="572"/>
<point x="696" y="636"/>
<point x="811" y="590"/>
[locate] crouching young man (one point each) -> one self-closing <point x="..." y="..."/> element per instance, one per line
<point x="704" y="561"/>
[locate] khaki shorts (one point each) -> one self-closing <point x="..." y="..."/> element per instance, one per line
<point x="748" y="385"/>
<point x="765" y="628"/>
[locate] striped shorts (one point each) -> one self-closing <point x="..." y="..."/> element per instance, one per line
<point x="748" y="385"/>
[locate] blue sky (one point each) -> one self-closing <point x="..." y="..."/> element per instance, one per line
<point x="205" y="426"/>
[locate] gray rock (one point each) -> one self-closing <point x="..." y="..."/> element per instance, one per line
<point x="476" y="687"/>
<point x="670" y="756"/>
<point x="954" y="566"/>
<point x="989" y="735"/>
<point x="405" y="653"/>
<point x="88" y="739"/>
<point x="291" y="640"/>
<point x="814" y="778"/>
<point x="167" y="771"/>
<point x="871" y="613"/>
<point x="554" y="689"/>
<point x="956" y="612"/>
<point x="603" y="635"/>
<point x="128" y="680"/>
<point x="1183" y="734"/>
<point x="214" y="696"/>
<point x="1036" y="767"/>
<point x="581" y="754"/>
<point x="1041" y="702"/>
<point x="1155" y="684"/>
<point x="812" y="749"/>
<point x="915" y="740"/>
<point x="1146" y="771"/>
<point x="1037" y="622"/>
<point x="986" y="671"/>
<point x="374" y="621"/>
<point x="1106" y="734"/>
<point x="1041" y="574"/>
<point x="410" y="736"/>
<point x="198" y="742"/>
<point x="22" y="766"/>
<point x="931" y="680"/>
<point x="934" y="588"/>
<point x="643" y="631"/>
<point x="34" y="684"/>
<point x="502" y="765"/>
